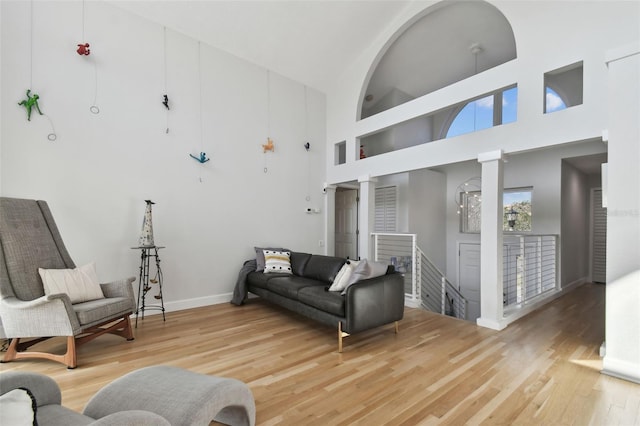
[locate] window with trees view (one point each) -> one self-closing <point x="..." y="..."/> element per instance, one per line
<point x="518" y="199"/>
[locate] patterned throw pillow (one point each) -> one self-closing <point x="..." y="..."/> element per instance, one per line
<point x="260" y="256"/>
<point x="277" y="262"/>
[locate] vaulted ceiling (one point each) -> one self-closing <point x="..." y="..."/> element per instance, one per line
<point x="310" y="41"/>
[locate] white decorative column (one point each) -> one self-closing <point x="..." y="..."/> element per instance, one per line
<point x="330" y="219"/>
<point x="622" y="303"/>
<point x="366" y="215"/>
<point x="491" y="286"/>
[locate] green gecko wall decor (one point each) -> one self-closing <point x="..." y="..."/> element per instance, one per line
<point x="30" y="102"/>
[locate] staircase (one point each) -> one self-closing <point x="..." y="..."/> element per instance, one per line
<point x="425" y="285"/>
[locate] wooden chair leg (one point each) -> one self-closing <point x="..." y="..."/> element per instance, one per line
<point x="69" y="358"/>
<point x="396" y="327"/>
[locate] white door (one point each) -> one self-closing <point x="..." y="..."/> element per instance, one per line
<point x="469" y="277"/>
<point x="347" y="223"/>
<point x="598" y="238"/>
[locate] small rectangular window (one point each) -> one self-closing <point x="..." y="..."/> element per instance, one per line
<point x="563" y="88"/>
<point x="340" y="154"/>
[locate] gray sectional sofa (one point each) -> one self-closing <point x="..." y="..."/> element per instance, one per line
<point x="363" y="305"/>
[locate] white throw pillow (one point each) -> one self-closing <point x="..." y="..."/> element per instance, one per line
<point x="277" y="262"/>
<point x="81" y="284"/>
<point x="17" y="408"/>
<point x="344" y="275"/>
<point x="366" y="269"/>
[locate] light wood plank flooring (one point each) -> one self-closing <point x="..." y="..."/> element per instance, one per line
<point x="541" y="370"/>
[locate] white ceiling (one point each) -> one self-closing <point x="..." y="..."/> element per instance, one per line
<point x="310" y="41"/>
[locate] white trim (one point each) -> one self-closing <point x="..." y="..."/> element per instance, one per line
<point x="622" y="52"/>
<point x="367" y="178"/>
<point x="491" y="156"/>
<point x="181" y="305"/>
<point x="621" y="369"/>
<point x="491" y="323"/>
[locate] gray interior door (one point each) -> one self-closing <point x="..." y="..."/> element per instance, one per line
<point x="346" y="237"/>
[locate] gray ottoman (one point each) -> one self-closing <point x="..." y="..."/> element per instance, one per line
<point x="180" y="396"/>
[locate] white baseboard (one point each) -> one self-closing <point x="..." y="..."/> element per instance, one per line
<point x="575" y="284"/>
<point x="491" y="323"/>
<point x="198" y="302"/>
<point x="621" y="369"/>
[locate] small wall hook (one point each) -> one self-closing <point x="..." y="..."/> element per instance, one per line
<point x="307" y="145"/>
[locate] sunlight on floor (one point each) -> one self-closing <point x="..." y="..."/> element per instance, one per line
<point x="593" y="364"/>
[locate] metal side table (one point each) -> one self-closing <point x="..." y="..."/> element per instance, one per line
<point x="146" y="253"/>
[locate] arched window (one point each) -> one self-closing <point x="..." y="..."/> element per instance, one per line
<point x="493" y="110"/>
<point x="450" y="42"/>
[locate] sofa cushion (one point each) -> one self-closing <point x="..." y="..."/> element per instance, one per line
<point x="327" y="301"/>
<point x="288" y="286"/>
<point x="323" y="268"/>
<point x="299" y="262"/>
<point x="96" y="310"/>
<point x="259" y="279"/>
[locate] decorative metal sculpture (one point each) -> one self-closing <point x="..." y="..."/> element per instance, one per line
<point x="83" y="49"/>
<point x="202" y="158"/>
<point x="166" y="102"/>
<point x="146" y="235"/>
<point x="31" y="102"/>
<point x="268" y="146"/>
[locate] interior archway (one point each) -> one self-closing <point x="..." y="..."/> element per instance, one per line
<point x="446" y="45"/>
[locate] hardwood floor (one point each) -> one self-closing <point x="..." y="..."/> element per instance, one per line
<point x="541" y="370"/>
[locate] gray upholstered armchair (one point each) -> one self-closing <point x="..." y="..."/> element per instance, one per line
<point x="29" y="239"/>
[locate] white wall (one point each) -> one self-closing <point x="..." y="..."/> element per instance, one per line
<point x="541" y="170"/>
<point x="427" y="213"/>
<point x="623" y="214"/>
<point x="572" y="32"/>
<point x="96" y="175"/>
<point x="574" y="229"/>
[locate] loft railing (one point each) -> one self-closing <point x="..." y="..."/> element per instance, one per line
<point x="425" y="285"/>
<point x="529" y="267"/>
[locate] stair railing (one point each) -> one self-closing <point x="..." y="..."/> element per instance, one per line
<point x="425" y="285"/>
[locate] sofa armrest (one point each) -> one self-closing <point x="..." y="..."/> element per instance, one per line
<point x="45" y="390"/>
<point x="374" y="302"/>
